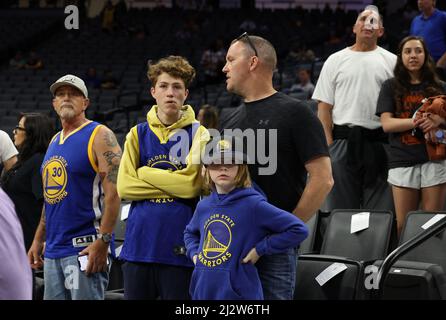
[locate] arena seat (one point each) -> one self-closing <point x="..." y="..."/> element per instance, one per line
<point x="420" y="273"/>
<point x="351" y="252"/>
<point x="307" y="246"/>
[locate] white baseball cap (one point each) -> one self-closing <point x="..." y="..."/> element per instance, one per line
<point x="70" y="80"/>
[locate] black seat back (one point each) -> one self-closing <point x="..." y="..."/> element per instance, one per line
<point x="432" y="250"/>
<point x="365" y="245"/>
<point x="413" y="280"/>
<point x="307" y="246"/>
<point x="420" y="273"/>
<point x="343" y="286"/>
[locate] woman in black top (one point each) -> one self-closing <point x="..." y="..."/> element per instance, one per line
<point x="23" y="182"/>
<point x="415" y="180"/>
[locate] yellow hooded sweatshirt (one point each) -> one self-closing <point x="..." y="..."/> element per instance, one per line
<point x="137" y="181"/>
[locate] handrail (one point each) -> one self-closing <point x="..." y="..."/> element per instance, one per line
<point x="383" y="271"/>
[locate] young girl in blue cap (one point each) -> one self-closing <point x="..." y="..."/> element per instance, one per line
<point x="232" y="228"/>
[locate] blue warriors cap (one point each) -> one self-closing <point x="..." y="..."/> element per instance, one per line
<point x="225" y="150"/>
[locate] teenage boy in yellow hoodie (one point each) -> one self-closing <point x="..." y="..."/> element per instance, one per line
<point x="160" y="173"/>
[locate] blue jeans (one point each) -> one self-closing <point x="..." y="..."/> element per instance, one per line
<point x="64" y="281"/>
<point x="278" y="275"/>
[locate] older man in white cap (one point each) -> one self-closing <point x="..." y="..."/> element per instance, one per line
<point x="81" y="206"/>
<point x="347" y="91"/>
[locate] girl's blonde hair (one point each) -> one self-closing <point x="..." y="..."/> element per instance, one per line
<point x="242" y="179"/>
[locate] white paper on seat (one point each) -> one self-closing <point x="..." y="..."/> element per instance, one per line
<point x="118" y="251"/>
<point x="125" y="212"/>
<point x="331" y="271"/>
<point x="360" y="221"/>
<point x="433" y="220"/>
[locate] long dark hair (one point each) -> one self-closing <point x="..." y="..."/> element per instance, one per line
<point x="428" y="76"/>
<point x="39" y="131"/>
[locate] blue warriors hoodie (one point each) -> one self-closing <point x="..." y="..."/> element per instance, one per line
<point x="223" y="230"/>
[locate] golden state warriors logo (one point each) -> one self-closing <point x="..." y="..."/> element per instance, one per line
<point x="164" y="162"/>
<point x="218" y="238"/>
<point x="54" y="176"/>
<point x="224" y="146"/>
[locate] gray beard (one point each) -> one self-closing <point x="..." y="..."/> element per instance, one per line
<point x="67" y="114"/>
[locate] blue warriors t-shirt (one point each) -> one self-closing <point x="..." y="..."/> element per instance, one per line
<point x="72" y="191"/>
<point x="155" y="227"/>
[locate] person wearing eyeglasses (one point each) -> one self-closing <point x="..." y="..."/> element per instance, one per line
<point x="8" y="152"/>
<point x="347" y="93"/>
<point x="81" y="204"/>
<point x="22" y="182"/>
<point x="301" y="149"/>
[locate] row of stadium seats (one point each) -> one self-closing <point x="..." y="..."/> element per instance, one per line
<point x="338" y="263"/>
<point x="347" y="265"/>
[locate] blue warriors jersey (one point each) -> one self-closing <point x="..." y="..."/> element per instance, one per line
<point x="72" y="191"/>
<point x="154" y="231"/>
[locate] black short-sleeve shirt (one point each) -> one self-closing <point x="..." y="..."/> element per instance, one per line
<point x="406" y="148"/>
<point x="300" y="138"/>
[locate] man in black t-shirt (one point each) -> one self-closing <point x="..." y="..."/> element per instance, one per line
<point x="299" y="148"/>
